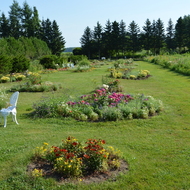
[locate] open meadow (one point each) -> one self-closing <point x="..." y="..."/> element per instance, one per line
<point x="157" y="149"/>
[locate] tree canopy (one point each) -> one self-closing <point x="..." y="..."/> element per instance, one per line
<point x="117" y="39"/>
<point x="24" y="22"/>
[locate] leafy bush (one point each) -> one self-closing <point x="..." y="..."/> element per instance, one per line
<point x="76" y="58"/>
<point x="5" y="64"/>
<point x="49" y="61"/>
<point x="73" y="159"/>
<point x="20" y="64"/>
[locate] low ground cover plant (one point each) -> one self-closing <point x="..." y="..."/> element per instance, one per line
<point x="100" y="105"/>
<point x="72" y="159"/>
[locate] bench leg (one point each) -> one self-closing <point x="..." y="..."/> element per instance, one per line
<point x="5" y="121"/>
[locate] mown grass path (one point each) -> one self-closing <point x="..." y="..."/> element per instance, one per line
<point x="157" y="149"/>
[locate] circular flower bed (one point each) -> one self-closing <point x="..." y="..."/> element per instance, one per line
<point x="73" y="160"/>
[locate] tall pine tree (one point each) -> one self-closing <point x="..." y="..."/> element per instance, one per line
<point x="15" y="20"/>
<point x="170" y="36"/>
<point x="86" y="41"/>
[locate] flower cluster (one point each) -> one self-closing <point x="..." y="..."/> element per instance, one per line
<point x="72" y="159"/>
<point x="37" y="173"/>
<point x="5" y="79"/>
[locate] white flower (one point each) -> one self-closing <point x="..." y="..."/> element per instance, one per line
<point x="105" y="86"/>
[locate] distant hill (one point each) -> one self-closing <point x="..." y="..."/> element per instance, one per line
<point x="69" y="49"/>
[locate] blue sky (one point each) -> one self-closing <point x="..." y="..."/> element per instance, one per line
<point x="75" y="15"/>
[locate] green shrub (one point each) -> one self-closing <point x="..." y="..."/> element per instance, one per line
<point x="5" y="64"/>
<point x="20" y="64"/>
<point x="48" y="61"/>
<point x="76" y="58"/>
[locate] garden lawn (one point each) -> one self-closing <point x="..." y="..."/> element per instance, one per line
<point x="156" y="149"/>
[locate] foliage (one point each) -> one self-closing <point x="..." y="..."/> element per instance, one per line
<point x="28" y="87"/>
<point x="48" y="61"/>
<point x="5" y="79"/>
<point x="72" y="159"/>
<point x="31" y="48"/>
<point x="5" y="64"/>
<point x="101" y="105"/>
<point x="176" y="63"/>
<point x="24" y="22"/>
<point x="20" y="64"/>
<point x="3" y="97"/>
<point x="33" y="84"/>
<point x="76" y="58"/>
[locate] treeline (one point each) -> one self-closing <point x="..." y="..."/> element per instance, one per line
<point x="23" y="22"/>
<point x="115" y="40"/>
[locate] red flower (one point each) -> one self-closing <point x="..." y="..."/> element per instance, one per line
<point x="70" y="155"/>
<point x="86" y="156"/>
<point x="63" y="150"/>
<point x="103" y="141"/>
<point x="74" y="143"/>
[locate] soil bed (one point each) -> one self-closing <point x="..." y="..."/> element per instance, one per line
<point x="96" y="177"/>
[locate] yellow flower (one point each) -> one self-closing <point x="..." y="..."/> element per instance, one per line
<point x="45" y="143"/>
<point x="37" y="172"/>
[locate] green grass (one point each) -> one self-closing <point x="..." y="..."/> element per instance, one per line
<point x="157" y="149"/>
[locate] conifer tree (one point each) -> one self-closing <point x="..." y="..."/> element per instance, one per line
<point x="147" y="35"/>
<point x="122" y="36"/>
<point x="170" y="36"/>
<point x="97" y="36"/>
<point x="15" y="20"/>
<point x="4" y="26"/>
<point x="58" y="42"/>
<point x="133" y="32"/>
<point x="86" y="41"/>
<point x="179" y="33"/>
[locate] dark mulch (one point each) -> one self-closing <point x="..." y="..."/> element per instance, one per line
<point x="96" y="177"/>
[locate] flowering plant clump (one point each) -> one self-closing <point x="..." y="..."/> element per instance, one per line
<point x="72" y="159"/>
<point x="5" y="79"/>
<point x="19" y="77"/>
<point x="102" y="105"/>
<point x="37" y="173"/>
<point x="34" y="78"/>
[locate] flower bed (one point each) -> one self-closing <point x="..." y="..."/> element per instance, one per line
<point x="101" y="105"/>
<point x="72" y="159"/>
<point x="128" y="74"/>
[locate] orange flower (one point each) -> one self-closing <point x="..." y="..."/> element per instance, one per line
<point x="86" y="156"/>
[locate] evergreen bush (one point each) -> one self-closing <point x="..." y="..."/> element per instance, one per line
<point x="5" y="64"/>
